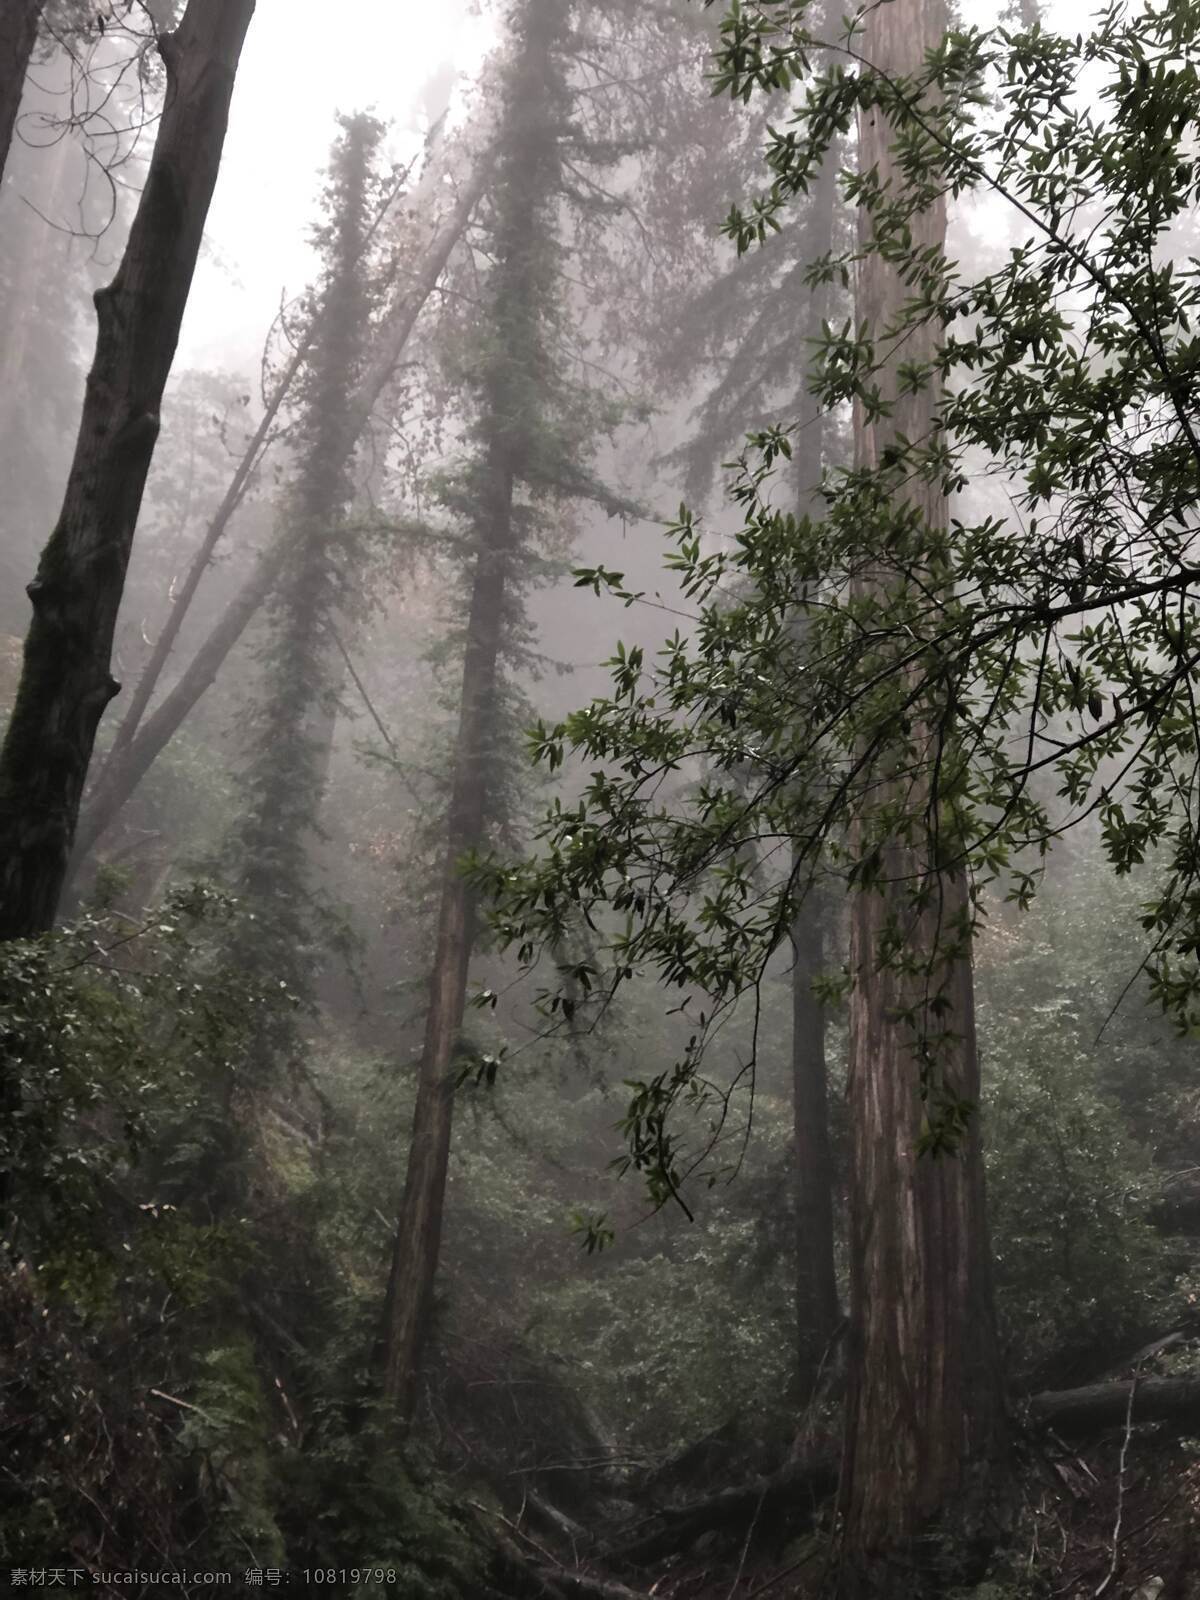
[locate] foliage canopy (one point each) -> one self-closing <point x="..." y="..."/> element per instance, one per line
<point x="993" y="683"/>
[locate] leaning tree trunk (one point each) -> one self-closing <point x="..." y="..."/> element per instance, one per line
<point x="66" y="680"/>
<point x="235" y="493"/>
<point x="127" y="767"/>
<point x="924" y="1420"/>
<point x="18" y="34"/>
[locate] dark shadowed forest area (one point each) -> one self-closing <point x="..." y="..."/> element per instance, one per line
<point x="600" y="799"/>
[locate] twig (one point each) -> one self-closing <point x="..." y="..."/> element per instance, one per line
<point x="1116" y="1533"/>
<point x="375" y="717"/>
<point x="1155" y="1516"/>
<point x="185" y="1404"/>
<point x="556" y="1573"/>
<point x="365" y="697"/>
<point x="520" y="1532"/>
<point x="737" y="1577"/>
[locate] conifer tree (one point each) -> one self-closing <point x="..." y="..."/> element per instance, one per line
<point x="924" y="1419"/>
<point x="284" y="779"/>
<point x="530" y="442"/>
<point x="753" y="327"/>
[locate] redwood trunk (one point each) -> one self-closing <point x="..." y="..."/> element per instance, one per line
<point x="66" y="680"/>
<point x="125" y="771"/>
<point x="924" y="1420"/>
<point x="18" y="34"/>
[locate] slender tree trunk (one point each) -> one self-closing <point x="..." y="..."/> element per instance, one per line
<point x="66" y="680"/>
<point x="817" y="1311"/>
<point x="527" y="180"/>
<point x="419" y="1231"/>
<point x="18" y="34"/>
<point x="924" y="1419"/>
<point x="120" y="779"/>
<point x="125" y="771"/>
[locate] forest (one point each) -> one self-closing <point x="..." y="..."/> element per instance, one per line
<point x="600" y="799"/>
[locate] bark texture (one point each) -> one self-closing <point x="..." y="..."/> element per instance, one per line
<point x="66" y="680"/>
<point x="128" y="766"/>
<point x="924" y="1422"/>
<point x="18" y="34"/>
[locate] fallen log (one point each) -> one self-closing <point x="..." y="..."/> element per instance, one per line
<point x="542" y="1573"/>
<point x="574" y="1533"/>
<point x="674" y="1527"/>
<point x="1106" y="1405"/>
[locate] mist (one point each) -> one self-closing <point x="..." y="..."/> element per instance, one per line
<point x="598" y="931"/>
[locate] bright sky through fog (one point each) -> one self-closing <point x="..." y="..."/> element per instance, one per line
<point x="303" y="62"/>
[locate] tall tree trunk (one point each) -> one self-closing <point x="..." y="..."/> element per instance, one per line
<point x="419" y="1230"/>
<point x="120" y="779"/>
<point x="924" y="1419"/>
<point x="18" y="34"/>
<point x="66" y="680"/>
<point x="514" y="373"/>
<point x="123" y="774"/>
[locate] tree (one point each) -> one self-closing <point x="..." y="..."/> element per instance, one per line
<point x="943" y="665"/>
<point x="18" y="34"/>
<point x="747" y="329"/>
<point x="66" y="681"/>
<point x="240" y="482"/>
<point x="531" y="438"/>
<point x="285" y="777"/>
<point x="924" y="1419"/>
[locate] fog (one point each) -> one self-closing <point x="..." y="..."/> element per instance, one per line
<point x="297" y="72"/>
<point x="598" y="955"/>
